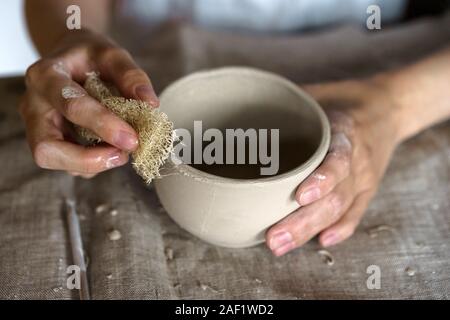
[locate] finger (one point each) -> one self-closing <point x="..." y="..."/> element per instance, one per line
<point x="70" y="65"/>
<point x="334" y="169"/>
<point x="327" y="90"/>
<point x="304" y="223"/>
<point x="62" y="155"/>
<point x="50" y="151"/>
<point x="42" y="122"/>
<point x="117" y="66"/>
<point x="79" y="108"/>
<point x="346" y="226"/>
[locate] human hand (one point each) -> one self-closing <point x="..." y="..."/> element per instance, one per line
<point x="55" y="97"/>
<point x="334" y="197"/>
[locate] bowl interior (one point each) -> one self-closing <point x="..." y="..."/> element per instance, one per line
<point x="246" y="100"/>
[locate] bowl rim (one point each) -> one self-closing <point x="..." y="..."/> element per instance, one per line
<point x="320" y="151"/>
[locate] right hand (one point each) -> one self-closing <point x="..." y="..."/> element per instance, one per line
<point x="55" y="96"/>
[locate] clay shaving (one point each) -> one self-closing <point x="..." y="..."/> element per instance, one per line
<point x="169" y="253"/>
<point x="177" y="285"/>
<point x="154" y="129"/>
<point x="101" y="208"/>
<point x="410" y="271"/>
<point x="373" y="232"/>
<point x="114" y="235"/>
<point x="206" y="287"/>
<point x="327" y="257"/>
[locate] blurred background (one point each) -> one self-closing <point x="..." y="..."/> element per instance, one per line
<point x="16" y="51"/>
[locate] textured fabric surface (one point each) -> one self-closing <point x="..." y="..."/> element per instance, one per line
<point x="155" y="259"/>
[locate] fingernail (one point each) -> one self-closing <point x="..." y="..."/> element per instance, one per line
<point x="309" y="196"/>
<point x="126" y="141"/>
<point x="146" y="93"/>
<point x="330" y="240"/>
<point x="115" y="161"/>
<point x="279" y="240"/>
<point x="284" y="249"/>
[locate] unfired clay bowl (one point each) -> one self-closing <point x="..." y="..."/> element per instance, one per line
<point x="220" y="208"/>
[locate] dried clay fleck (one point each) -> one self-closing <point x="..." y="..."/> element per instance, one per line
<point x="69" y="92"/>
<point x="319" y="176"/>
<point x="420" y="244"/>
<point x="410" y="271"/>
<point x="169" y="253"/>
<point x="326" y="257"/>
<point x="114" y="235"/>
<point x="373" y="232"/>
<point x="101" y="208"/>
<point x="206" y="287"/>
<point x="113" y="212"/>
<point x="177" y="285"/>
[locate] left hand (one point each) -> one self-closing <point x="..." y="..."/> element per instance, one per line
<point x="334" y="197"/>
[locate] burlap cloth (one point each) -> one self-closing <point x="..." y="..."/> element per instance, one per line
<point x="155" y="259"/>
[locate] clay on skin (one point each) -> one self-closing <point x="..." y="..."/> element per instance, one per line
<point x="70" y="92"/>
<point x="340" y="145"/>
<point x="61" y="69"/>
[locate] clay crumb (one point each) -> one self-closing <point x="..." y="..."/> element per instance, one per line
<point x="258" y="281"/>
<point x="113" y="212"/>
<point x="60" y="264"/>
<point x="326" y="257"/>
<point x="373" y="232"/>
<point x="57" y="289"/>
<point x="114" y="235"/>
<point x="207" y="287"/>
<point x="177" y="285"/>
<point x="410" y="271"/>
<point x="420" y="244"/>
<point x="109" y="276"/>
<point x="101" y="208"/>
<point x="169" y="253"/>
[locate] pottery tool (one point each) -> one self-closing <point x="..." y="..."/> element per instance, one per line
<point x="155" y="131"/>
<point x="77" y="247"/>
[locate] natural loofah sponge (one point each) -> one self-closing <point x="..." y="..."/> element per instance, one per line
<point x="154" y="129"/>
